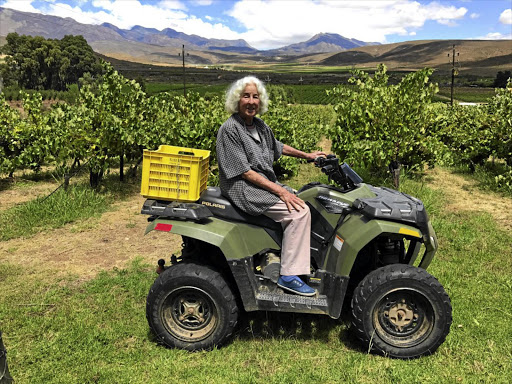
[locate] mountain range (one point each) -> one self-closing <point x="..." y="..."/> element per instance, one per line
<point x="152" y="46"/>
<point x="56" y="28"/>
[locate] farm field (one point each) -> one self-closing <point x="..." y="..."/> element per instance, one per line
<point x="73" y="301"/>
<point x="316" y="93"/>
<point x="468" y="94"/>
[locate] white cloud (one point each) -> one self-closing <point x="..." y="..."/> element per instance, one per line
<point x="496" y="36"/>
<point x="125" y="14"/>
<point x="265" y="23"/>
<point x="20" y="5"/>
<point x="171" y="4"/>
<point x="474" y="16"/>
<point x="274" y="23"/>
<point x="202" y="3"/>
<point x="506" y="17"/>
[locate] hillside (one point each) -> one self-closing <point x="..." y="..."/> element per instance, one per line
<point x="482" y="56"/>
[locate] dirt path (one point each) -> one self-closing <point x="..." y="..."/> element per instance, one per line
<point x="97" y="244"/>
<point x="463" y="195"/>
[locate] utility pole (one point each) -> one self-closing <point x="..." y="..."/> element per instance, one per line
<point x="453" y="72"/>
<point x="183" y="56"/>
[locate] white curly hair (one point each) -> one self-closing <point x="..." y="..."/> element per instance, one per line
<point x="236" y="89"/>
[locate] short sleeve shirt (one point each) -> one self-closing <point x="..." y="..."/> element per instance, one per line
<point x="239" y="152"/>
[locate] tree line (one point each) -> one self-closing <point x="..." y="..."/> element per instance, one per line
<point x="42" y="64"/>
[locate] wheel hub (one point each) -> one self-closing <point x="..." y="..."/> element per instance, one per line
<point x="189" y="314"/>
<point x="401" y="315"/>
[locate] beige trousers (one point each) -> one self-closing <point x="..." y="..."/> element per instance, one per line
<point x="295" y="252"/>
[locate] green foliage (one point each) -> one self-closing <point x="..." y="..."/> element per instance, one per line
<point x="186" y="122"/>
<point x="504" y="180"/>
<point x="500" y="108"/>
<point x="39" y="63"/>
<point x="24" y="141"/>
<point x="113" y="120"/>
<point x="280" y="94"/>
<point x="312" y="94"/>
<point x="472" y="134"/>
<point x="467" y="132"/>
<point x="502" y="78"/>
<point x="300" y="127"/>
<point x="378" y="123"/>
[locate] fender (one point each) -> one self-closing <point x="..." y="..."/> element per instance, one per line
<point x="223" y="234"/>
<point x="357" y="231"/>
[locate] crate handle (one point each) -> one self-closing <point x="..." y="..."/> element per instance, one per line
<point x="186" y="153"/>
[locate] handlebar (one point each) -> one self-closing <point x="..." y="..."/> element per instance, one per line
<point x="320" y="159"/>
<point x="342" y="174"/>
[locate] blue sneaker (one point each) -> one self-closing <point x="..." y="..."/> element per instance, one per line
<point x="296" y="285"/>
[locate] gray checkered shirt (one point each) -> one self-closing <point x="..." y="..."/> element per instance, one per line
<point x="239" y="152"/>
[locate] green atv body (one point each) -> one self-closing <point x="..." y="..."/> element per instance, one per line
<point x="365" y="243"/>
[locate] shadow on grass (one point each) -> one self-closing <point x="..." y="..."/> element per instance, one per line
<point x="275" y="325"/>
<point x="263" y="326"/>
<point x="27" y="178"/>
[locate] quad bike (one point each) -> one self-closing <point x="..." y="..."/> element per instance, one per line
<point x="365" y="242"/>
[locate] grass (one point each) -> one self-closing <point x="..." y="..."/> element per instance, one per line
<point x="62" y="207"/>
<point x="468" y="94"/>
<point x="485" y="175"/>
<point x="177" y="89"/>
<point x="57" y="330"/>
<point x="47" y="212"/>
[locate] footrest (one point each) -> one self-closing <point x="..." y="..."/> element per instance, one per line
<point x="291" y="303"/>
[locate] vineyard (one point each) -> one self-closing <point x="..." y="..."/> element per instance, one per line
<point x="75" y="268"/>
<point x="371" y="123"/>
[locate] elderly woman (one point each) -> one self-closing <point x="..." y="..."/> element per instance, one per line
<point x="246" y="149"/>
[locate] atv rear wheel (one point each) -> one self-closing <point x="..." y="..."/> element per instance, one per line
<point x="190" y="306"/>
<point x="401" y="311"/>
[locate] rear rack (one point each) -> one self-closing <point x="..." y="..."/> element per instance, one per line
<point x="175" y="209"/>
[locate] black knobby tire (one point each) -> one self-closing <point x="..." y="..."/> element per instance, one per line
<point x="190" y="306"/>
<point x="401" y="311"/>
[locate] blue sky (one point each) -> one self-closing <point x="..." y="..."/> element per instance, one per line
<point x="267" y="24"/>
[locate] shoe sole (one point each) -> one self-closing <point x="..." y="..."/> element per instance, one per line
<point x="297" y="292"/>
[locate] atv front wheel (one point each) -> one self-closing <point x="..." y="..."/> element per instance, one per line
<point x="190" y="306"/>
<point x="401" y="311"/>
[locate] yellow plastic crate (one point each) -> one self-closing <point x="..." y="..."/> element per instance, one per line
<point x="174" y="173"/>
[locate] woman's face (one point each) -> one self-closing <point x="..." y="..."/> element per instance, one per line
<point x="249" y="103"/>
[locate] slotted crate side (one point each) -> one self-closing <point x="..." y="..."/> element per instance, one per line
<point x="170" y="175"/>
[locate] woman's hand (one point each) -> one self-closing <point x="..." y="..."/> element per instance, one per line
<point x="290" y="151"/>
<point x="314" y="155"/>
<point x="292" y="201"/>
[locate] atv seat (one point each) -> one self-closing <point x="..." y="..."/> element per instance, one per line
<point x="221" y="207"/>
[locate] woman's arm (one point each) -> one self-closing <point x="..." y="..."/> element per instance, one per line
<point x="292" y="201"/>
<point x="290" y="151"/>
